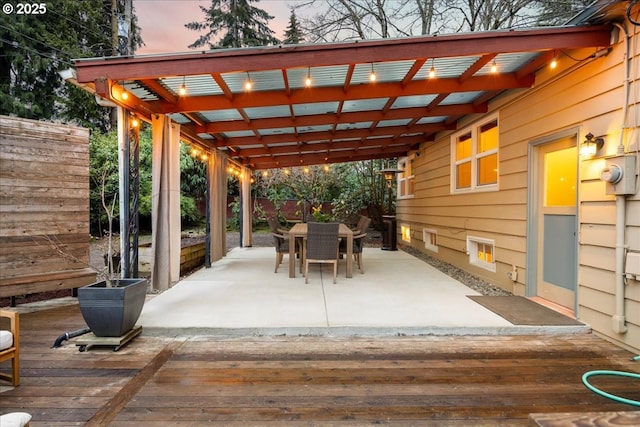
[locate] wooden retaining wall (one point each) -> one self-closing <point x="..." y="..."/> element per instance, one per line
<point x="44" y="207"/>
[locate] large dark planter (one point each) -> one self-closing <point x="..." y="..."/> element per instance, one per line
<point x="112" y="311"/>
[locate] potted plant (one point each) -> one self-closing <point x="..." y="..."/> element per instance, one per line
<point x="112" y="305"/>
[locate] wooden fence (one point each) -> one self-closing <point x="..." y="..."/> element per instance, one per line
<point x="44" y="207"/>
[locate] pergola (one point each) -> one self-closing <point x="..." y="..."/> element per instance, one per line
<point x="317" y="104"/>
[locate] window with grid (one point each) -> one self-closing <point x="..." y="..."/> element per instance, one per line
<point x="481" y="252"/>
<point x="406" y="178"/>
<point x="475" y="158"/>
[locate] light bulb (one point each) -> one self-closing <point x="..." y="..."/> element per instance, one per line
<point x="432" y="72"/>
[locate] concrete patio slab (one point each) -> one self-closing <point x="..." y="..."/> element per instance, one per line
<point x="397" y="294"/>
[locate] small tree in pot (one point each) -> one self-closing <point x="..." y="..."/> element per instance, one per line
<point x="112" y="305"/>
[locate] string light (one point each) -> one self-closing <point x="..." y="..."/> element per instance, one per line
<point x="307" y="81"/>
<point x="554" y="62"/>
<point x="432" y="70"/>
<point x="183" y="89"/>
<point x="135" y="122"/>
<point x="372" y="74"/>
<point x="494" y="67"/>
<point x="248" y="85"/>
<point x="125" y="95"/>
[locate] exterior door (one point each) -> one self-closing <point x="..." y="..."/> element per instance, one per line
<point x="557" y="222"/>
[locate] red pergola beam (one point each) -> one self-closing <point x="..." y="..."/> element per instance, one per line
<point x="281" y="57"/>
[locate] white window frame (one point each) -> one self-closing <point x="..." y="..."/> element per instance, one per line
<point x="426" y="238"/>
<point x="472" y="251"/>
<point x="404" y="181"/>
<point x="475" y="157"/>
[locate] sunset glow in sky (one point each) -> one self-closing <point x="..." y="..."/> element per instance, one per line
<point x="162" y="22"/>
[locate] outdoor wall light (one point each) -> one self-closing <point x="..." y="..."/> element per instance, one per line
<point x="591" y="145"/>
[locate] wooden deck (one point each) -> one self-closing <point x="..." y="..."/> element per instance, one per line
<point x="294" y="381"/>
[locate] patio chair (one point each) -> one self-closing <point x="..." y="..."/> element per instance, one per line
<point x="321" y="246"/>
<point x="362" y="225"/>
<point x="10" y="346"/>
<point x="358" y="243"/>
<point x="281" y="242"/>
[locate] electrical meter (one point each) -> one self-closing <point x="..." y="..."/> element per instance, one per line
<point x="620" y="175"/>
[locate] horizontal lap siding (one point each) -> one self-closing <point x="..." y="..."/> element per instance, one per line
<point x="589" y="98"/>
<point x="44" y="205"/>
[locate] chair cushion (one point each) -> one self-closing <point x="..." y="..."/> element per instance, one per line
<point x="6" y="339"/>
<point x="15" y="419"/>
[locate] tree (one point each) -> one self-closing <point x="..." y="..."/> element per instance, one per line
<point x="36" y="47"/>
<point x="559" y="12"/>
<point x="240" y="23"/>
<point x="293" y="33"/>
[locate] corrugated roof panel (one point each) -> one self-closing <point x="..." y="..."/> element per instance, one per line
<point x="374" y="104"/>
<point x="198" y="85"/>
<point x="393" y="71"/>
<point x="508" y="62"/>
<point x="319" y="128"/>
<point x="205" y="136"/>
<point x="320" y="76"/>
<point x="435" y="119"/>
<point x="139" y="91"/>
<point x="221" y="115"/>
<point x="239" y="133"/>
<point x="179" y="118"/>
<point x="461" y="97"/>
<point x="267" y="112"/>
<point x="446" y="68"/>
<point x="358" y="125"/>
<point x="413" y="101"/>
<point x="277" y="131"/>
<point x="261" y="80"/>
<point x="397" y="122"/>
<point x="315" y="108"/>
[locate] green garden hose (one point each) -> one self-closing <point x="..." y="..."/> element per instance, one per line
<point x="585" y="380"/>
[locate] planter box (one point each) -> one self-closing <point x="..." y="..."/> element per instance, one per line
<point x="112" y="312"/>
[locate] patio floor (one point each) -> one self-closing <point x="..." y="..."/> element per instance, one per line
<point x="397" y="294"/>
<point x="462" y="366"/>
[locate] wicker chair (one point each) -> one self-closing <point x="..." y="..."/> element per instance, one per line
<point x="10" y="346"/>
<point x="358" y="243"/>
<point x="321" y="246"/>
<point x="281" y="242"/>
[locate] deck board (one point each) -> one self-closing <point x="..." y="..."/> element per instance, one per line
<point x="291" y="381"/>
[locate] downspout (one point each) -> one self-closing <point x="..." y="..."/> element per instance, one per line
<point x="619" y="318"/>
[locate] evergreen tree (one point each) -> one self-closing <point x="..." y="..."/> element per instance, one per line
<point x="36" y="47"/>
<point x="293" y="33"/>
<point x="245" y="25"/>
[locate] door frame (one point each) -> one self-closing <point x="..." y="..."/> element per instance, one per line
<point x="533" y="206"/>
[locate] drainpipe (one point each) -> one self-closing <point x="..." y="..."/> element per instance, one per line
<point x="619" y="318"/>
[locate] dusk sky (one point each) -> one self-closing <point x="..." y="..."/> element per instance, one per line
<point x="162" y="22"/>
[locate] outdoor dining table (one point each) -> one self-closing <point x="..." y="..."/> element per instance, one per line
<point x="300" y="230"/>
